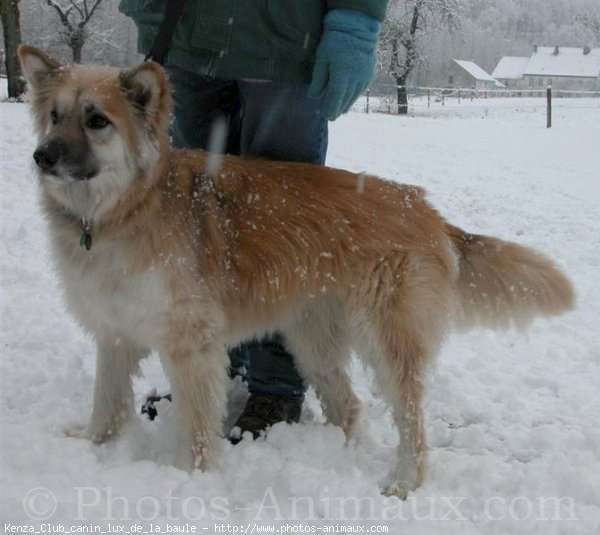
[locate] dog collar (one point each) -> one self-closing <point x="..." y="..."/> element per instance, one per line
<point x="86" y="234"/>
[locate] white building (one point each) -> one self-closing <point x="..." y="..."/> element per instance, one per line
<point x="467" y="74"/>
<point x="510" y="71"/>
<point x="566" y="68"/>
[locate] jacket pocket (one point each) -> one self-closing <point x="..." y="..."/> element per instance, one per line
<point x="212" y="34"/>
<point x="293" y="26"/>
<point x="213" y="23"/>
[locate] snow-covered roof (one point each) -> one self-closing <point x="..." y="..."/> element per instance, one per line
<point x="510" y="68"/>
<point x="475" y="70"/>
<point x="568" y="62"/>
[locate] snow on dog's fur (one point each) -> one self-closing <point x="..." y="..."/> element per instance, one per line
<point x="190" y="261"/>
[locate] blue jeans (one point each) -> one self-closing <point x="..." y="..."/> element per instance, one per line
<point x="272" y="120"/>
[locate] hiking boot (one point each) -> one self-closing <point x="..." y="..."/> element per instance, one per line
<point x="264" y="410"/>
<point x="149" y="406"/>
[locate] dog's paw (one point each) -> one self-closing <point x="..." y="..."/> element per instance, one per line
<point x="184" y="460"/>
<point x="200" y="457"/>
<point x="400" y="489"/>
<point x="94" y="434"/>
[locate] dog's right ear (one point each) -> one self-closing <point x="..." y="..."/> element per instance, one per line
<point x="36" y="65"/>
<point x="147" y="88"/>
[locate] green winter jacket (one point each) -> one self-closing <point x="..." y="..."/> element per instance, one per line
<point x="235" y="39"/>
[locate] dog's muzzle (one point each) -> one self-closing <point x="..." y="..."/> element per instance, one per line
<point x="47" y="156"/>
<point x="54" y="159"/>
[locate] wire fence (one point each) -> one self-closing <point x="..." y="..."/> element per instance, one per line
<point x="421" y="100"/>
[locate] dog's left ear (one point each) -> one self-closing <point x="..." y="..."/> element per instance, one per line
<point x="146" y="87"/>
<point x="36" y="65"/>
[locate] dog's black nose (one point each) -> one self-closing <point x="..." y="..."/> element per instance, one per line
<point x="47" y="156"/>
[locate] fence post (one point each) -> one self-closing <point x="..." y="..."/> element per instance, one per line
<point x="368" y="93"/>
<point x="459" y="96"/>
<point x="549" y="107"/>
<point x="428" y="97"/>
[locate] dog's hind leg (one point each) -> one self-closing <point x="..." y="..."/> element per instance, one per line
<point x="117" y="360"/>
<point x="196" y="363"/>
<point x="398" y="320"/>
<point x="318" y="339"/>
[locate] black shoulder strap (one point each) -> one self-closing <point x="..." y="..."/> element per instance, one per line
<point x="173" y="10"/>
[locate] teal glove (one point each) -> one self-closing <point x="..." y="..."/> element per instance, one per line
<point x="345" y="60"/>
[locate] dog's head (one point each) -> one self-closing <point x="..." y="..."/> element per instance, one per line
<point x="98" y="128"/>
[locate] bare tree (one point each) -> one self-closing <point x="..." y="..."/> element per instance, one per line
<point x="74" y="16"/>
<point x="403" y="35"/>
<point x="11" y="26"/>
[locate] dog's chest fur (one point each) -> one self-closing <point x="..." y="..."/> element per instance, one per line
<point x="107" y="295"/>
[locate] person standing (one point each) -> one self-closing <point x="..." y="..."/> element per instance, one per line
<point x="268" y="75"/>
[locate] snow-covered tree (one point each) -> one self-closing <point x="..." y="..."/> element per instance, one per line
<point x="404" y="32"/>
<point x="590" y="21"/>
<point x="112" y="38"/>
<point x="74" y="16"/>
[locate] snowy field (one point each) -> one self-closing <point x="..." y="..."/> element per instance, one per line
<point x="512" y="419"/>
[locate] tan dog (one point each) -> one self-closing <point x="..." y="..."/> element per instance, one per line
<point x="156" y="252"/>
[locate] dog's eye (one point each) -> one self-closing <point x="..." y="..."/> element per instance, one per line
<point x="97" y="122"/>
<point x="54" y="116"/>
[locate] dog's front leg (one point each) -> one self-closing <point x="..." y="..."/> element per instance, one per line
<point x="116" y="361"/>
<point x="196" y="364"/>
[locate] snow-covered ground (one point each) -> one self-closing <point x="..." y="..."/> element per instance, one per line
<point x="512" y="419"/>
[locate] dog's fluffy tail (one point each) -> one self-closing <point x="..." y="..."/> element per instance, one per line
<point x="502" y="283"/>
